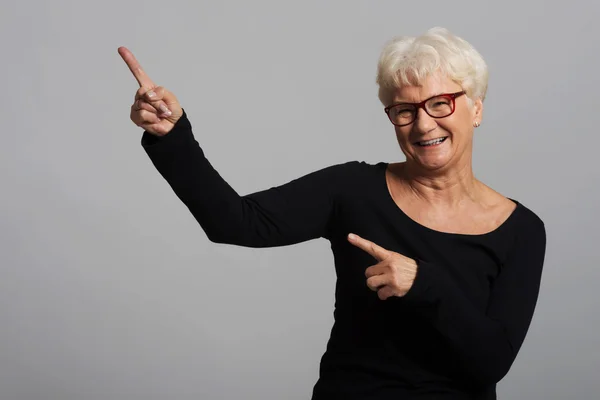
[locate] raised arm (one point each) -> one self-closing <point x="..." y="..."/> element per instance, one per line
<point x="297" y="211"/>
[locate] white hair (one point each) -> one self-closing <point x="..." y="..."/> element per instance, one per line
<point x="407" y="60"/>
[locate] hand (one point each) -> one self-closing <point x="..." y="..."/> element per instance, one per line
<point x="393" y="275"/>
<point x="155" y="109"/>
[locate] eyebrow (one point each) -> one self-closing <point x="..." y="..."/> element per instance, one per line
<point x="416" y="102"/>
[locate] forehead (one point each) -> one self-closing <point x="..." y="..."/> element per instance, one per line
<point x="430" y="86"/>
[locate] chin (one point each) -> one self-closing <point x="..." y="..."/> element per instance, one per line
<point x="432" y="162"/>
<point x="432" y="166"/>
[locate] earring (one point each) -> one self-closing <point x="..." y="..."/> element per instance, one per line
<point x="476" y="124"/>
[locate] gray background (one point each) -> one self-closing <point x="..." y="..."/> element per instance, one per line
<point x="108" y="287"/>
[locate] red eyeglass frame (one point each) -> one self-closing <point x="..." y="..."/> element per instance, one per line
<point x="451" y="96"/>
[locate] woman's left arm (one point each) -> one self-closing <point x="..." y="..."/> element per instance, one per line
<point x="485" y="344"/>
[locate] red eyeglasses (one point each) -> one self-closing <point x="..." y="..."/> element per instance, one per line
<point x="438" y="106"/>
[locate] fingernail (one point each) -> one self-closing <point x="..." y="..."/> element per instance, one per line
<point x="151" y="94"/>
<point x="351" y="236"/>
<point x="164" y="109"/>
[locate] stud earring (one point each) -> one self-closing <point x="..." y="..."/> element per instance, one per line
<point x="476" y="124"/>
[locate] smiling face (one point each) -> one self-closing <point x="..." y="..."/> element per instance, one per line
<point x="456" y="129"/>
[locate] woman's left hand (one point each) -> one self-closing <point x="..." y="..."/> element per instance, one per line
<point x="393" y="275"/>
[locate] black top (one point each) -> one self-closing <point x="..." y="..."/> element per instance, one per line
<point x="457" y="331"/>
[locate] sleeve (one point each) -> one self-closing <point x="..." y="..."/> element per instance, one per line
<point x="297" y="211"/>
<point x="485" y="345"/>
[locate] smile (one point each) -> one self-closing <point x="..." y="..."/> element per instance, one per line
<point x="432" y="142"/>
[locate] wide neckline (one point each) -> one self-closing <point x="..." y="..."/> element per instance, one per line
<point x="403" y="215"/>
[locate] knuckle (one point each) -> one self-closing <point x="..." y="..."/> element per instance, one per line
<point x="150" y="117"/>
<point x="142" y="115"/>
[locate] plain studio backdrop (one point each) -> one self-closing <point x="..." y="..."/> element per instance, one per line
<point x="109" y="289"/>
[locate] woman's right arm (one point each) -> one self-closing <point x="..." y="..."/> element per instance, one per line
<point x="297" y="211"/>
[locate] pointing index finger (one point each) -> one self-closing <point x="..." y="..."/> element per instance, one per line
<point x="378" y="252"/>
<point x="136" y="68"/>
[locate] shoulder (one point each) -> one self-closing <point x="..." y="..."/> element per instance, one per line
<point x="527" y="219"/>
<point x="523" y="217"/>
<point x="341" y="174"/>
<point x="355" y="170"/>
<point x="530" y="231"/>
<point x="361" y="165"/>
<point x="350" y="179"/>
<point x="528" y="250"/>
<point x="343" y="178"/>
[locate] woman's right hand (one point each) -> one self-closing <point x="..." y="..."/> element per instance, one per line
<point x="155" y="109"/>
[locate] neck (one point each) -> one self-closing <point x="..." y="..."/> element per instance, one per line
<point x="441" y="188"/>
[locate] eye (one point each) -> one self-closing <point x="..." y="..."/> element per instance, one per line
<point x="402" y="110"/>
<point x="439" y="103"/>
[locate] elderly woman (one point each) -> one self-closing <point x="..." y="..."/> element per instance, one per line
<point x="437" y="274"/>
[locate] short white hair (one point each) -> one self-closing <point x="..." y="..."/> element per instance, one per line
<point x="408" y="60"/>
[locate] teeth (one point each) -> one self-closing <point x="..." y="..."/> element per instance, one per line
<point x="432" y="141"/>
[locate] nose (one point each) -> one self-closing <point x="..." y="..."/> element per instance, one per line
<point x="423" y="123"/>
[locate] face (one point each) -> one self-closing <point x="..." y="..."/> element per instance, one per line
<point x="457" y="128"/>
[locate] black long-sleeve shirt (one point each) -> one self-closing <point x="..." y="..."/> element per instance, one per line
<point x="456" y="332"/>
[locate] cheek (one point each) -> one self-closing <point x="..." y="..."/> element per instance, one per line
<point x="459" y="124"/>
<point x="402" y="134"/>
<point x="457" y="129"/>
